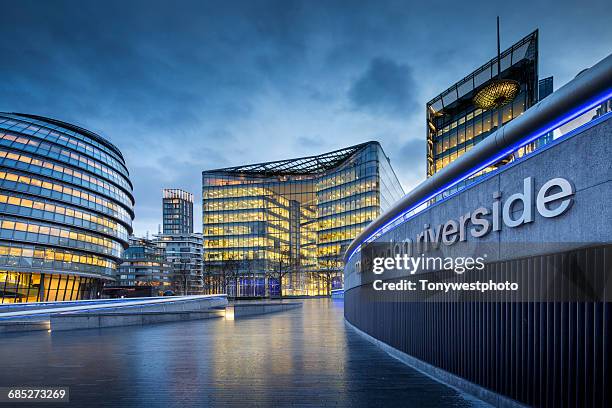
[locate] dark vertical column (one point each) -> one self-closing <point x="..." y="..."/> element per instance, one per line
<point x="28" y="280"/>
<point x="41" y="288"/>
<point x="3" y="284"/>
<point x="65" y="287"/>
<point x="17" y="282"/>
<point x="606" y="401"/>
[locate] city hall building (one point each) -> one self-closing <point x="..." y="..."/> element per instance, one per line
<point x="66" y="210"/>
<point x="284" y="225"/>
<point x="537" y="229"/>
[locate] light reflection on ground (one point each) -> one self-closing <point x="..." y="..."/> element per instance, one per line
<point x="301" y="357"/>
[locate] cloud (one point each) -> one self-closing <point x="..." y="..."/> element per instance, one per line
<point x="385" y="87"/>
<point x="413" y="151"/>
<point x="181" y="87"/>
<point x="411" y="162"/>
<point x="309" y="142"/>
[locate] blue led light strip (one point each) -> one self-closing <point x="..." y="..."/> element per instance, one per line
<point x="562" y="121"/>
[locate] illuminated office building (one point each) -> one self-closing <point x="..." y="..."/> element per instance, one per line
<point x="457" y="119"/>
<point x="66" y="209"/>
<point x="291" y="220"/>
<point x="177" y="211"/>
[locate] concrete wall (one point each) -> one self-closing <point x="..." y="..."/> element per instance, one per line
<point x="92" y="320"/>
<point x="169" y="311"/>
<point x="250" y="309"/>
<point x="533" y="352"/>
<point x="584" y="159"/>
<point x="23" y="326"/>
<point x="177" y="306"/>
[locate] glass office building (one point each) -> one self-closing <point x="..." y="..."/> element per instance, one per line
<point x="66" y="210"/>
<point x="455" y="123"/>
<point x="284" y="225"/>
<point x="177" y="211"/>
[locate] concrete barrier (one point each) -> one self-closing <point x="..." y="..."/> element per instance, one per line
<point x="250" y="309"/>
<point x="178" y="305"/>
<point x="171" y="310"/>
<point x="23" y="326"/>
<point x="35" y="306"/>
<point x="155" y="304"/>
<point x="93" y="320"/>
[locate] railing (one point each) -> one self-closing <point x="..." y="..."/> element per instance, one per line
<point x="587" y="91"/>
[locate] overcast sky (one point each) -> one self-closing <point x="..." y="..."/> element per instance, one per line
<point x="182" y="86"/>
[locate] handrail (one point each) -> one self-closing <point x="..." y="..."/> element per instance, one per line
<point x="589" y="89"/>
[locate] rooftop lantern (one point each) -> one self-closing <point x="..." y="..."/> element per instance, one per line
<point x="500" y="91"/>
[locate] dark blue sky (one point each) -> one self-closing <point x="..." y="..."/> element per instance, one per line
<point x="182" y="86"/>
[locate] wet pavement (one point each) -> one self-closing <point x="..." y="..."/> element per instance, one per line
<point x="300" y="358"/>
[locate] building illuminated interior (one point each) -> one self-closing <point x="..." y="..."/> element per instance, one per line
<point x="291" y="220"/>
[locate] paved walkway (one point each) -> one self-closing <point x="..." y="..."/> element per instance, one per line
<point x="300" y="358"/>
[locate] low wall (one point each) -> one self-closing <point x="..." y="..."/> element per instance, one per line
<point x="178" y="305"/>
<point x="23" y="326"/>
<point x="250" y="309"/>
<point x="75" y="321"/>
<point x="171" y="310"/>
<point x="32" y="306"/>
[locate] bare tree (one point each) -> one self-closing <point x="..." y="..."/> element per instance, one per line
<point x="281" y="267"/>
<point x="219" y="273"/>
<point x="209" y="278"/>
<point x="181" y="277"/>
<point x="329" y="268"/>
<point x="230" y="269"/>
<point x="214" y="277"/>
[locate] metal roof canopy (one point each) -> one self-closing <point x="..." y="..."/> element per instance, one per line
<point x="310" y="165"/>
<point x="515" y="53"/>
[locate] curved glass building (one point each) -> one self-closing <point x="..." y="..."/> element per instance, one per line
<point x="66" y="208"/>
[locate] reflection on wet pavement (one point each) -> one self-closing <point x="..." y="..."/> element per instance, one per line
<point x="302" y="357"/>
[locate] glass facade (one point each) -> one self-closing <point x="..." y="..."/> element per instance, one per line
<point x="455" y="124"/>
<point x="144" y="264"/>
<point x="284" y="226"/>
<point x="66" y="209"/>
<point x="184" y="254"/>
<point x="177" y="211"/>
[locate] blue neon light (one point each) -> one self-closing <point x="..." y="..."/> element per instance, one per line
<point x="565" y="119"/>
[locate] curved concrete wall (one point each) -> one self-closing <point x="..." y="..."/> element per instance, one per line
<point x="583" y="158"/>
<point x="533" y="352"/>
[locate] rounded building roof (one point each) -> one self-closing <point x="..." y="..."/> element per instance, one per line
<point x="66" y="199"/>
